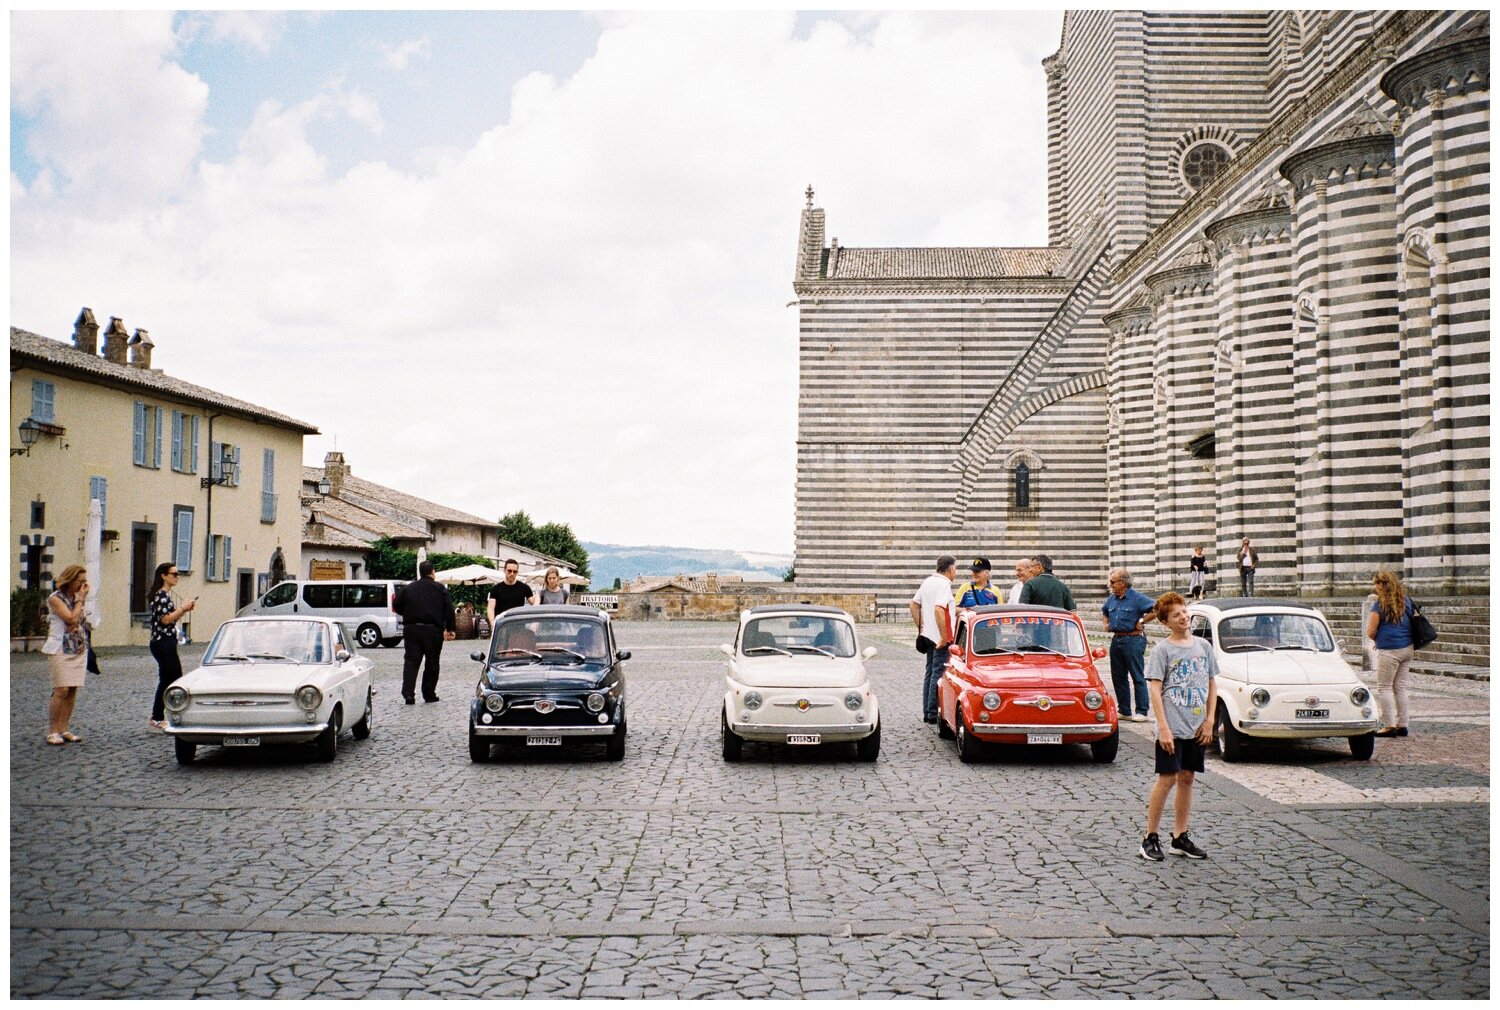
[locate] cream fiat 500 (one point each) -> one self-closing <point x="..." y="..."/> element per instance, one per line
<point x="796" y="676"/>
<point x="1281" y="677"/>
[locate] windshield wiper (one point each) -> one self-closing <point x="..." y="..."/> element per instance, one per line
<point x="557" y="648"/>
<point x="1298" y="648"/>
<point x="269" y="655"/>
<point x="1248" y="645"/>
<point x="766" y="648"/>
<point x="233" y="657"/>
<point x="1040" y="648"/>
<point x="510" y="653"/>
<point x="813" y="648"/>
<point x="997" y="652"/>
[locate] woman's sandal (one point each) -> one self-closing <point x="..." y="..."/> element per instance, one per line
<point x="72" y="737"/>
<point x="56" y="739"/>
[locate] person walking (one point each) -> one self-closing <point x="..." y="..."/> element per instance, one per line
<point x="553" y="591"/>
<point x="165" y="613"/>
<point x="1197" y="570"/>
<point x="932" y="612"/>
<point x="67" y="649"/>
<point x="1182" y="676"/>
<point x="1248" y="559"/>
<point x="509" y="593"/>
<point x="976" y="592"/>
<point x="1024" y="571"/>
<point x="1044" y="589"/>
<point x="1126" y="611"/>
<point x="426" y="612"/>
<point x="1389" y="624"/>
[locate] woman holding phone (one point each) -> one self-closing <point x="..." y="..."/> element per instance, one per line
<point x="164" y="618"/>
<point x="67" y="651"/>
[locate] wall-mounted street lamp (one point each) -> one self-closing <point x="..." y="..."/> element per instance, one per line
<point x="226" y="466"/>
<point x="30" y="432"/>
<point x="324" y="486"/>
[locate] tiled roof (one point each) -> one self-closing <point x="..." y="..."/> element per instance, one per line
<point x="431" y="511"/>
<point x="364" y="519"/>
<point x="331" y="537"/>
<point x="957" y="263"/>
<point x="27" y="347"/>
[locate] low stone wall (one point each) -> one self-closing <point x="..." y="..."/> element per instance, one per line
<point x="677" y="606"/>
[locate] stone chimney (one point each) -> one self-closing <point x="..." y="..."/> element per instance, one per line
<point x="140" y="349"/>
<point x="711" y="582"/>
<point x="86" y="332"/>
<point x="335" y="469"/>
<point x="315" y="528"/>
<point x="116" y="341"/>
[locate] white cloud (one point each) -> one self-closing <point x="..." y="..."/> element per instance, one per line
<point x="257" y="31"/>
<point x="582" y="313"/>
<point x="398" y="56"/>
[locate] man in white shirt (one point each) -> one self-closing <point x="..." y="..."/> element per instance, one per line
<point x="1024" y="571"/>
<point x="932" y="613"/>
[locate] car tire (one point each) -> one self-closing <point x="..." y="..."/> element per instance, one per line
<point x="968" y="747"/>
<point x="391" y="643"/>
<point x="479" y="748"/>
<point x="328" y="740"/>
<point x="614" y="747"/>
<point x="733" y="744"/>
<point x="368" y="636"/>
<point x="1231" y="742"/>
<point x="1362" y="747"/>
<point x="869" y="748"/>
<point x="944" y="733"/>
<point x="185" y="751"/>
<point x="361" y="729"/>
<point x="1104" y="751"/>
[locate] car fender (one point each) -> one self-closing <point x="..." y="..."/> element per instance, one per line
<point x="1235" y="697"/>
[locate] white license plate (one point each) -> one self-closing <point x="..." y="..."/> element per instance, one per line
<point x="1044" y="738"/>
<point x="1312" y="713"/>
<point x="804" y="738"/>
<point x="242" y="741"/>
<point x="544" y="741"/>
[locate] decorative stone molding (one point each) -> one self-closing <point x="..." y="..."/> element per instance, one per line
<point x="1023" y="455"/>
<point x="1250" y="227"/>
<point x="859" y="289"/>
<point x="1354" y="157"/>
<point x="1191" y="273"/>
<point x="1452" y="70"/>
<point x="1132" y="320"/>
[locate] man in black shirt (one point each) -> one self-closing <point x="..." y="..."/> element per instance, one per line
<point x="427" y="621"/>
<point x="508" y="594"/>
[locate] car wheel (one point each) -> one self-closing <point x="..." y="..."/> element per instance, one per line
<point x="479" y="747"/>
<point x="185" y="751"/>
<point x="391" y="643"/>
<point x="869" y="747"/>
<point x="968" y="747"/>
<point x="1106" y="749"/>
<point x="368" y="636"/>
<point x="1231" y="741"/>
<point x="733" y="744"/>
<point x="328" y="740"/>
<point x="1362" y="747"/>
<point x="944" y="731"/>
<point x="362" y="728"/>
<point x="614" y="747"/>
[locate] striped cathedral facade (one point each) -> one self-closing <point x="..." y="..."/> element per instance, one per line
<point x="1263" y="312"/>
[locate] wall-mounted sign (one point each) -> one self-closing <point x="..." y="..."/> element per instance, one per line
<point x="326" y="570"/>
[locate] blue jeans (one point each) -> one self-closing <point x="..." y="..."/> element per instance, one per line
<point x="937" y="662"/>
<point x="1127" y="667"/>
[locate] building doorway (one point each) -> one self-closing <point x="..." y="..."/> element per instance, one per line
<point x="142" y="565"/>
<point x="244" y="592"/>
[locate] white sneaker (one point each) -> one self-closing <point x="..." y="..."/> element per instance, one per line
<point x="1140" y="718"/>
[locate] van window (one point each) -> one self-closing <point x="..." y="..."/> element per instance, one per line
<point x="323" y="596"/>
<point x="284" y="593"/>
<point x="368" y="595"/>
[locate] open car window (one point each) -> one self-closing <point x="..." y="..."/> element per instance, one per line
<point x="1027" y="634"/>
<point x="303" y="642"/>
<point x="1274" y="632"/>
<point x="798" y="634"/>
<point x="549" y="639"/>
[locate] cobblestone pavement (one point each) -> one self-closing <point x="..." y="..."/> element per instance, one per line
<point x="402" y="869"/>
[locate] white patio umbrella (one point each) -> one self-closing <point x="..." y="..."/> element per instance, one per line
<point x="468" y="575"/>
<point x="421" y="557"/>
<point x="91" y="539"/>
<point x="567" y="578"/>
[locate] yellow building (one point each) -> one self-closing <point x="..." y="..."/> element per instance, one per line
<point x="184" y="474"/>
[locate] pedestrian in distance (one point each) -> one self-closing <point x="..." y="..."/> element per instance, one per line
<point x="66" y="649"/>
<point x="1248" y="559"/>
<point x="508" y="594"/>
<point x="166" y="614"/>
<point x="932" y="612"/>
<point x="1126" y="611"/>
<point x="1182" y="674"/>
<point x="976" y="592"/>
<point x="1197" y="571"/>
<point x="1044" y="589"/>
<point x="1024" y="571"/>
<point x="427" y="619"/>
<point x="1389" y="624"/>
<point x="553" y="591"/>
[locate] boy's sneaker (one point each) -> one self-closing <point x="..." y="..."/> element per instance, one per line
<point x="1183" y="846"/>
<point x="1151" y="848"/>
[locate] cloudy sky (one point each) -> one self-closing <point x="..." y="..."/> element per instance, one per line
<point x="510" y="260"/>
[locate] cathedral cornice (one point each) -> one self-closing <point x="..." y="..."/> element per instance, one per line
<point x="1450" y="70"/>
<point x="857" y="288"/>
<point x="1259" y="225"/>
<point x="1354" y="156"/>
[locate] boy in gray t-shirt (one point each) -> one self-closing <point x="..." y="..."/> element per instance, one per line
<point x="1181" y="674"/>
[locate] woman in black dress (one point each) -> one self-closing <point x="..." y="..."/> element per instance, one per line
<point x="164" y="618"/>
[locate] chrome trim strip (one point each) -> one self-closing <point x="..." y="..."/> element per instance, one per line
<point x="482" y="730"/>
<point x="1089" y="729"/>
<point x="248" y="703"/>
<point x="531" y="705"/>
<point x="810" y="704"/>
<point x="223" y="731"/>
<point x="1052" y="703"/>
<point x="1250" y="725"/>
<point x="817" y="727"/>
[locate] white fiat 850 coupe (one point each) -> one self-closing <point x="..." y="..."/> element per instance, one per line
<point x="273" y="680"/>
<point x="796" y="676"/>
<point x="1281" y="676"/>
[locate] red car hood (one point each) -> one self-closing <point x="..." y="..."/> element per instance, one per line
<point x="1022" y="672"/>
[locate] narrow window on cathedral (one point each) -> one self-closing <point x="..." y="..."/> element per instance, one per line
<point x="1023" y="486"/>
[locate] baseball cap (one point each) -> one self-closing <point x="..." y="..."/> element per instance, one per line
<point x="980" y="564"/>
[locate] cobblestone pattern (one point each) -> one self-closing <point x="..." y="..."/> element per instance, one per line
<point x="404" y="869"/>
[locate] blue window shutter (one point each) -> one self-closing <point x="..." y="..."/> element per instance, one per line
<point x="215" y="460"/>
<point x="268" y="470"/>
<point x="228" y="545"/>
<point x="43" y="401"/>
<point x="156" y="450"/>
<point x="184" y="559"/>
<point x="140" y="434"/>
<point x="210" y="560"/>
<point x="177" y="433"/>
<point x="192" y="466"/>
<point x="99" y="489"/>
<point x="234" y="473"/>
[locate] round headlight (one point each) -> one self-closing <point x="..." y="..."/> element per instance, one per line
<point x="1359" y="695"/>
<point x="309" y="697"/>
<point x="595" y="702"/>
<point x="853" y="700"/>
<point x="495" y="703"/>
<point x="753" y="700"/>
<point x="1093" y="700"/>
<point x="176" y="698"/>
<point x="991" y="701"/>
<point x="1261" y="697"/>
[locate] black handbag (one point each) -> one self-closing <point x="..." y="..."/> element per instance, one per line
<point x="1423" y="633"/>
<point x="925" y="644"/>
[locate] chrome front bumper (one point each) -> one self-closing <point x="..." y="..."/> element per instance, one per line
<point x="1083" y="729"/>
<point x="1306" y="728"/>
<point x="213" y="734"/>
<point x="770" y="732"/>
<point x="606" y="730"/>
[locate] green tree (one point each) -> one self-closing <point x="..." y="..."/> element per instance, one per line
<point x="387" y="561"/>
<point x="554" y="539"/>
<point x="790" y="575"/>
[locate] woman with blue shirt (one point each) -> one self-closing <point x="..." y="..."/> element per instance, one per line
<point x="1389" y="624"/>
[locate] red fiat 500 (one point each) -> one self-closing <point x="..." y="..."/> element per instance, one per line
<point x="1025" y="675"/>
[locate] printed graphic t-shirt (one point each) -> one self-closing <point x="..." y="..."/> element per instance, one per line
<point x="1184" y="671"/>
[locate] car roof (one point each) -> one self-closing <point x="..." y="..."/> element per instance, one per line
<point x="793" y="608"/>
<point x="1018" y="608"/>
<point x="1249" y="602"/>
<point x="570" y="610"/>
<point x="317" y="618"/>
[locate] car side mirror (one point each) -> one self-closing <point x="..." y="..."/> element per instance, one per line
<point x="727" y="650"/>
<point x="870" y="652"/>
<point x="341" y="656"/>
<point x="1099" y="653"/>
<point x="477" y="657"/>
<point x="620" y="657"/>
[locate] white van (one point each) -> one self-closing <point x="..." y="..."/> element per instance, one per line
<point x="366" y="609"/>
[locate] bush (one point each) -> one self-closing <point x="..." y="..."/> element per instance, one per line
<point x="28" y="612"/>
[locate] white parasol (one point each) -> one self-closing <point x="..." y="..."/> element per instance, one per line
<point x="567" y="578"/>
<point x="468" y="575"/>
<point x="91" y="539"/>
<point x="421" y="557"/>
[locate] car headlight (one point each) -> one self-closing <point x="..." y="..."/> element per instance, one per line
<point x="991" y="700"/>
<point x="1093" y="700"/>
<point x="853" y="700"/>
<point x="753" y="700"/>
<point x="1260" y="697"/>
<point x="176" y="699"/>
<point x="495" y="703"/>
<point x="1359" y="695"/>
<point x="309" y="697"/>
<point x="595" y="702"/>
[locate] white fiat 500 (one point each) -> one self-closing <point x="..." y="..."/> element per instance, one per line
<point x="796" y="676"/>
<point x="273" y="680"/>
<point x="1282" y="676"/>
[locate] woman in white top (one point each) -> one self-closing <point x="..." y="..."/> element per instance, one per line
<point x="67" y="649"/>
<point x="554" y="591"/>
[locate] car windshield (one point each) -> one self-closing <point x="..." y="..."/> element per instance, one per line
<point x="798" y="634"/>
<point x="1026" y="633"/>
<point x="1273" y="632"/>
<point x="270" y="642"/>
<point x="548" y="639"/>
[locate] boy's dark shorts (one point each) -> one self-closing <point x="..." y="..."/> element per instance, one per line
<point x="1186" y="757"/>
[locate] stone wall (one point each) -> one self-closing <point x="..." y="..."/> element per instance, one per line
<point x="678" y="606"/>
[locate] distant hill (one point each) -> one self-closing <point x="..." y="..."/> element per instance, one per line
<point x="608" y="562"/>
